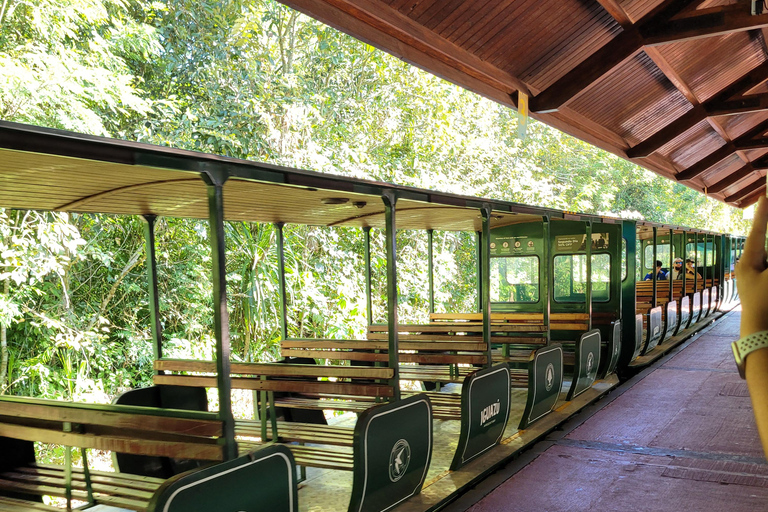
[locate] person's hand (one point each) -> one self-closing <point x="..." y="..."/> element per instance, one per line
<point x="752" y="275"/>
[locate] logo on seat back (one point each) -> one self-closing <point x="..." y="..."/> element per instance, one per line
<point x="549" y="377"/>
<point x="590" y="362"/>
<point x="399" y="459"/>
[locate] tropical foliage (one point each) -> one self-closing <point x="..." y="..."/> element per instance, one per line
<point x="254" y="79"/>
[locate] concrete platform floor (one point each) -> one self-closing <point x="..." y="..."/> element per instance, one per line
<point x="680" y="437"/>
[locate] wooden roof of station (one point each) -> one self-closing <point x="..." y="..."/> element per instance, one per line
<point x="677" y="86"/>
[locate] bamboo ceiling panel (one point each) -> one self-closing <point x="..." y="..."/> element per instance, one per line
<point x="668" y="84"/>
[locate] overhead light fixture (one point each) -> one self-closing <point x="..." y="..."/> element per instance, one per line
<point x="334" y="200"/>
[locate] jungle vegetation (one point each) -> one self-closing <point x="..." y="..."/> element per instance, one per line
<point x="254" y="79"/>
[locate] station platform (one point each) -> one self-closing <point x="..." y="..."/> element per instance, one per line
<point x="678" y="436"/>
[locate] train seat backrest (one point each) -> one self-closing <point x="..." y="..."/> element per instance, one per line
<point x="168" y="397"/>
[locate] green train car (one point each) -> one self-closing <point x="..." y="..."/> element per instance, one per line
<point x="564" y="312"/>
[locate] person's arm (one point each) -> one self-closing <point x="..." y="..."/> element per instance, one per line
<point x="752" y="283"/>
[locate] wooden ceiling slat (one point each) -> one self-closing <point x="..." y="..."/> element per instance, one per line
<point x="465" y="13"/>
<point x="477" y="14"/>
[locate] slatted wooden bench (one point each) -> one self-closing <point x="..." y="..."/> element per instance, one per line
<point x="116" y="428"/>
<point x="318" y="387"/>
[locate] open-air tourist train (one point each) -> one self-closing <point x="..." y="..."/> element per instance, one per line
<point x="564" y="314"/>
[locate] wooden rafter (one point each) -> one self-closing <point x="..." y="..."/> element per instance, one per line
<point x="725" y="151"/>
<point x="721" y="104"/>
<point x="749" y="189"/>
<point x="656" y="28"/>
<point x="752" y="198"/>
<point x="730" y="180"/>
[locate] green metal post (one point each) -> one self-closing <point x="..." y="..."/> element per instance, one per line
<point x="653" y="265"/>
<point x="478" y="246"/>
<point x="588" y="308"/>
<point x="368" y="284"/>
<point x="696" y="265"/>
<point x="215" y="182"/>
<point x="485" y="279"/>
<point x="431" y="269"/>
<point x="390" y="201"/>
<point x="154" y="297"/>
<point x="281" y="276"/>
<point x="547" y="274"/>
<point x="671" y="266"/>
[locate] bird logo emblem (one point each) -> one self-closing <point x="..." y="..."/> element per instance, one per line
<point x="399" y="459"/>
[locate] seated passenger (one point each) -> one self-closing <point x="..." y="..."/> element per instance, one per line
<point x="660" y="274"/>
<point x="690" y="270"/>
<point x="677" y="271"/>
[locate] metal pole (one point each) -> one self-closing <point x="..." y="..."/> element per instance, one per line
<point x="485" y="279"/>
<point x="431" y="269"/>
<point x="215" y="182"/>
<point x="478" y="245"/>
<point x="547" y="274"/>
<point x="390" y="200"/>
<point x="671" y="266"/>
<point x="281" y="276"/>
<point x="154" y="297"/>
<point x="653" y="265"/>
<point x="588" y="305"/>
<point x="368" y="280"/>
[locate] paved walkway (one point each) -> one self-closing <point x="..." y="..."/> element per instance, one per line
<point x="681" y="438"/>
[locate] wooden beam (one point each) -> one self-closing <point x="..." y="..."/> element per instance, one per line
<point x="616" y="11"/>
<point x="369" y="20"/>
<point x="676" y="128"/>
<point x="708" y="161"/>
<point x="731" y="179"/>
<point x="745" y="105"/>
<point x="752" y="198"/>
<point x="746" y="141"/>
<point x="588" y="72"/>
<point x="752" y="187"/>
<point x="597" y="65"/>
<point x="705" y="23"/>
<point x="720" y="104"/>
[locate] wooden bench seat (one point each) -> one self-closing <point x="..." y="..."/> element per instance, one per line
<point x="518" y="321"/>
<point x="115" y="489"/>
<point x="116" y="428"/>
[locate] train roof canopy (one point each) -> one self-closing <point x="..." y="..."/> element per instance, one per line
<point x="51" y="170"/>
<point x="677" y="86"/>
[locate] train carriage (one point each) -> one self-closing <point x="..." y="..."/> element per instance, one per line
<point x="562" y="309"/>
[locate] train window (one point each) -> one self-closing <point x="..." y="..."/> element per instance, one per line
<point x="515" y="279"/>
<point x="662" y="253"/>
<point x="570" y="277"/>
<point x="690" y="253"/>
<point x="601" y="277"/>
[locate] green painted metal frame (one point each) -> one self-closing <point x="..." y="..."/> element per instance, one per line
<point x="431" y="268"/>
<point x="390" y="243"/>
<point x="368" y="275"/>
<point x="485" y="280"/>
<point x="154" y="297"/>
<point x="628" y="297"/>
<point x="215" y="182"/>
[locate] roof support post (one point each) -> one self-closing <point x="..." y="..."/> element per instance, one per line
<point x="478" y="255"/>
<point x="281" y="277"/>
<point x="549" y="278"/>
<point x="390" y="242"/>
<point x="588" y="294"/>
<point x="485" y="279"/>
<point x="654" y="278"/>
<point x="671" y="267"/>
<point x="154" y="297"/>
<point x="685" y="270"/>
<point x="215" y="182"/>
<point x="368" y="285"/>
<point x="431" y="268"/>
